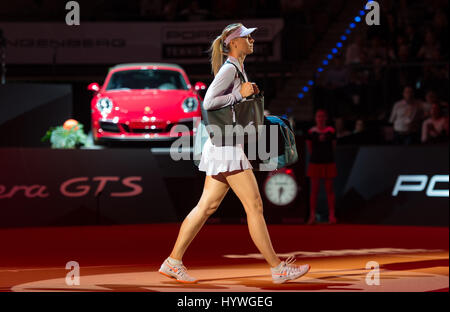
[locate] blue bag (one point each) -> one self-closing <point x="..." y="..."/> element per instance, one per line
<point x="287" y="148"/>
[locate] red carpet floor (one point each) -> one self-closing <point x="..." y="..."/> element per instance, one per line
<point x="223" y="257"/>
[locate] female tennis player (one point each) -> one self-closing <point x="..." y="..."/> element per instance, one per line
<point x="227" y="166"/>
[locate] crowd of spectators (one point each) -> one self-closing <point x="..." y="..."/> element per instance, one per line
<point x="393" y="76"/>
<point x="156" y="10"/>
<point x="419" y="121"/>
<point x="411" y="120"/>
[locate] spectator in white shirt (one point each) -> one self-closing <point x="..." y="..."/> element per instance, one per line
<point x="406" y="116"/>
<point x="435" y="129"/>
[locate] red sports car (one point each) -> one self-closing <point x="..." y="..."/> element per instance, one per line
<point x="145" y="102"/>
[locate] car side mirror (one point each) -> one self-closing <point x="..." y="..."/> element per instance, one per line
<point x="93" y="87"/>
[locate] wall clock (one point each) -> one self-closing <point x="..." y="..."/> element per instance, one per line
<point x="280" y="187"/>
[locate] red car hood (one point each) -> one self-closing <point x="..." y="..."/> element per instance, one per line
<point x="162" y="103"/>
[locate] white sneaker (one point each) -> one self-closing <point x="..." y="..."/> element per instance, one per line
<point x="287" y="271"/>
<point x="177" y="272"/>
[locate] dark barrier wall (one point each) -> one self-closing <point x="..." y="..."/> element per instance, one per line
<point x="45" y="187"/>
<point x="60" y="187"/>
<point x="28" y="110"/>
<point x="405" y="185"/>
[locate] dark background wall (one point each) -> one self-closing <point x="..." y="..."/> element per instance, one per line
<point x="168" y="189"/>
<point x="28" y="110"/>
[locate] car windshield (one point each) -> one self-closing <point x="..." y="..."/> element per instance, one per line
<point x="147" y="79"/>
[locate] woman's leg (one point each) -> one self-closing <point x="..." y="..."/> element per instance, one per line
<point x="244" y="185"/>
<point x="315" y="183"/>
<point x="331" y="200"/>
<point x="214" y="190"/>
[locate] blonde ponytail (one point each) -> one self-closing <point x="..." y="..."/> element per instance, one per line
<point x="216" y="54"/>
<point x="218" y="50"/>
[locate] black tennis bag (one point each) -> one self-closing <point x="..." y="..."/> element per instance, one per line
<point x="283" y="154"/>
<point x="249" y="114"/>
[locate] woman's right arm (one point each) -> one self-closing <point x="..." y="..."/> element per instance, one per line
<point x="224" y="80"/>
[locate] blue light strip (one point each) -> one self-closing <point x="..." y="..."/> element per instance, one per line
<point x="335" y="50"/>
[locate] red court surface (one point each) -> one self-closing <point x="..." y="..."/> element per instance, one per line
<point x="224" y="259"/>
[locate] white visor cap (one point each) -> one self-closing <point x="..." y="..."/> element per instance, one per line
<point x="242" y="31"/>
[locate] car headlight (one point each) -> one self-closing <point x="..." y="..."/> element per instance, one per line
<point x="190" y="105"/>
<point x="104" y="106"/>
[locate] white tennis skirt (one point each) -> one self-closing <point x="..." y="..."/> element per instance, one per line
<point x="216" y="159"/>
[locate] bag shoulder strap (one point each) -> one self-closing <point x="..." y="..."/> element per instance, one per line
<point x="241" y="75"/>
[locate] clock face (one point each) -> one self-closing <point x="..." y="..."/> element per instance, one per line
<point x="281" y="189"/>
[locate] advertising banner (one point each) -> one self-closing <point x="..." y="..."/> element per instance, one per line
<point x="405" y="185"/>
<point x="112" y="43"/>
<point x="45" y="187"/>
